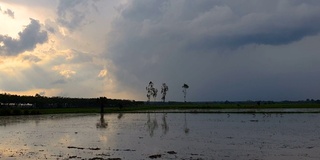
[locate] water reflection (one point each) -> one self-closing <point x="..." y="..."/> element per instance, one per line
<point x="185" y="125"/>
<point x="164" y="124"/>
<point x="245" y="136"/>
<point x="102" y="124"/>
<point x="120" y="115"/>
<point x="152" y="125"/>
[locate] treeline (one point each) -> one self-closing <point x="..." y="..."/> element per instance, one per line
<point x="312" y="101"/>
<point x="37" y="101"/>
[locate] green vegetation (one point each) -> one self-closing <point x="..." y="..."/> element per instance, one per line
<point x="33" y="105"/>
<point x="219" y="106"/>
<point x="169" y="107"/>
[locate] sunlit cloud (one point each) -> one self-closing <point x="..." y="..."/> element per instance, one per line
<point x="103" y="73"/>
<point x="63" y="71"/>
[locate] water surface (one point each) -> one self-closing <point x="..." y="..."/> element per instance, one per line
<point x="161" y="136"/>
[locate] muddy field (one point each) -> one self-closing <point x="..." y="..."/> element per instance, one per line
<point x="161" y="136"/>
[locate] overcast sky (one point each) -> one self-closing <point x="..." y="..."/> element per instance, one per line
<point x="223" y="49"/>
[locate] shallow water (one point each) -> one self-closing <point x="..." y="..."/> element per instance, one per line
<point x="161" y="136"/>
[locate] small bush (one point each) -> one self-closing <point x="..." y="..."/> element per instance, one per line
<point x="16" y="112"/>
<point x="34" y="112"/>
<point x="5" y="112"/>
<point x="26" y="112"/>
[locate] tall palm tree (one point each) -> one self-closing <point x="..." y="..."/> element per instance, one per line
<point x="185" y="87"/>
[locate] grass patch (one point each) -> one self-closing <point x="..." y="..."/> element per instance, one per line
<point x="189" y="107"/>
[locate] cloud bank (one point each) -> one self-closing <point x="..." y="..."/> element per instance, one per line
<point x="205" y="43"/>
<point x="224" y="50"/>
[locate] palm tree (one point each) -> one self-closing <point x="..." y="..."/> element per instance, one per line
<point x="151" y="91"/>
<point x="185" y="87"/>
<point x="164" y="90"/>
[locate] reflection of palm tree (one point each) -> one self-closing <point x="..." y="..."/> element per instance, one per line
<point x="186" y="129"/>
<point x="101" y="123"/>
<point x="165" y="126"/>
<point x="152" y="125"/>
<point x="120" y="115"/>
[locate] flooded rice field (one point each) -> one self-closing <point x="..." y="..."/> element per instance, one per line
<point x="161" y="136"/>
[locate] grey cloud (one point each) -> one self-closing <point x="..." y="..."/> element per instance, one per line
<point x="215" y="24"/>
<point x="9" y="12"/>
<point x="51" y="26"/>
<point x="51" y="30"/>
<point x="81" y="57"/>
<point x="73" y="13"/>
<point x="27" y="41"/>
<point x="31" y="58"/>
<point x="60" y="81"/>
<point x="24" y="79"/>
<point x="181" y="42"/>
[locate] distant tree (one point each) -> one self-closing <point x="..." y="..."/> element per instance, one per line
<point x="164" y="90"/>
<point x="151" y="91"/>
<point x="185" y="87"/>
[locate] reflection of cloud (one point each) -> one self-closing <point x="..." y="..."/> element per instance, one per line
<point x="66" y="140"/>
<point x="103" y="138"/>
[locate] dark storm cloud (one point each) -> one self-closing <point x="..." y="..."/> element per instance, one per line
<point x="73" y="13"/>
<point x="27" y="41"/>
<point x="211" y="25"/>
<point x="177" y="41"/>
